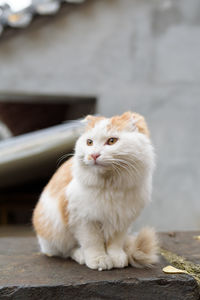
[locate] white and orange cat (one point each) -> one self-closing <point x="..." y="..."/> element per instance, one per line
<point x="87" y="207"/>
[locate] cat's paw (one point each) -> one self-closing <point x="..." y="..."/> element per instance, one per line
<point x="78" y="255"/>
<point x="99" y="262"/>
<point x="48" y="254"/>
<point x="118" y="257"/>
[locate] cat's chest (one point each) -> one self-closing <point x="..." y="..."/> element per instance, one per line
<point x="108" y="206"/>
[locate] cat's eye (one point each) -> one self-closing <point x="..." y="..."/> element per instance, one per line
<point x="111" y="141"/>
<point x="89" y="142"/>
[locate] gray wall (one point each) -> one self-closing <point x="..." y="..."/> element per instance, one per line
<point x="141" y="55"/>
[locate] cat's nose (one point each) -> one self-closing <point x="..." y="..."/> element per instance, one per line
<point x="95" y="156"/>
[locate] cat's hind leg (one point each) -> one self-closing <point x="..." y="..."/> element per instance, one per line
<point x="47" y="247"/>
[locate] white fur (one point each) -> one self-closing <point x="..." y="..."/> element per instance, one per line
<point x="63" y="240"/>
<point x="103" y="198"/>
<point x="52" y="213"/>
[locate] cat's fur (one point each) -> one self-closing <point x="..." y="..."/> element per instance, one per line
<point x="87" y="207"/>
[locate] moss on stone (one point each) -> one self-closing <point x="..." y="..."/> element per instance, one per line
<point x="181" y="263"/>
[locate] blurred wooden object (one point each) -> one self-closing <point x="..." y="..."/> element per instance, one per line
<point x="23" y="113"/>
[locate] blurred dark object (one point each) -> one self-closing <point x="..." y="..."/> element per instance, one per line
<point x="28" y="161"/>
<point x="17" y="203"/>
<point x="26" y="113"/>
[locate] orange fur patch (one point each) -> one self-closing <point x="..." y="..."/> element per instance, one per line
<point x="120" y="122"/>
<point x="57" y="185"/>
<point x="41" y="225"/>
<point x="56" y="188"/>
<point x="141" y="124"/>
<point x="92" y="121"/>
<point x="123" y="121"/>
<point x="90" y="157"/>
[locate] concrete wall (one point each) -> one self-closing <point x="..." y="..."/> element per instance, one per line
<point x="142" y="55"/>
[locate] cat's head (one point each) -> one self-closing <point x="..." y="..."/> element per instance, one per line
<point x="115" y="144"/>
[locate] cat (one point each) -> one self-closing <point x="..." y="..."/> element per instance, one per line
<point x="87" y="207"/>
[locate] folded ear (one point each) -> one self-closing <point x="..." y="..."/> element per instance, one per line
<point x="127" y="120"/>
<point x="136" y="121"/>
<point x="89" y="118"/>
<point x="91" y="121"/>
<point x="140" y="124"/>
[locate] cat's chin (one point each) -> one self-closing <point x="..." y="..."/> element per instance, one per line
<point x="95" y="164"/>
<point x="99" y="164"/>
<point x="97" y="167"/>
<point x="101" y="170"/>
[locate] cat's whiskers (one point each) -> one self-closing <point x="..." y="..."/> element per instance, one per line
<point x="124" y="167"/>
<point x="119" y="164"/>
<point x="131" y="163"/>
<point x="116" y="169"/>
<point x="135" y="169"/>
<point x="134" y="158"/>
<point x="128" y="167"/>
<point x="60" y="160"/>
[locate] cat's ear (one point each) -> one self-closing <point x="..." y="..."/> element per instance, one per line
<point x="89" y="118"/>
<point x="128" y="120"/>
<point x="140" y="124"/>
<point x="135" y="121"/>
<point x="90" y="121"/>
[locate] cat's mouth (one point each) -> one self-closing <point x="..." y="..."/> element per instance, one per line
<point x="95" y="163"/>
<point x="98" y="163"/>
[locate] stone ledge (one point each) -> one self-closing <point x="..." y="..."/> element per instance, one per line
<point x="27" y="274"/>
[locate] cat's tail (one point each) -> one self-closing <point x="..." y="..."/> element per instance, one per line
<point x="142" y="250"/>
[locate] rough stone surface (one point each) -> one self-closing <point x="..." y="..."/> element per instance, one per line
<point x="141" y="55"/>
<point x="184" y="244"/>
<point x="27" y="274"/>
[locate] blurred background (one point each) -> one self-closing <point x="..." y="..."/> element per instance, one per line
<point x="105" y="57"/>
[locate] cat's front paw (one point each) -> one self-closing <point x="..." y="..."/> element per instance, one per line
<point x="99" y="262"/>
<point x="78" y="256"/>
<point x="119" y="258"/>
